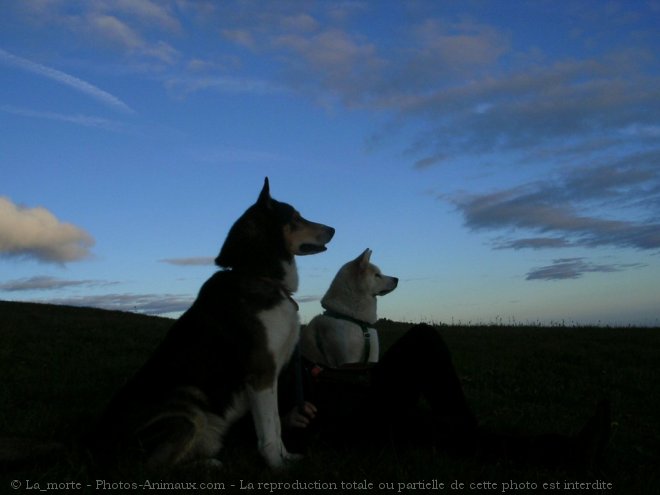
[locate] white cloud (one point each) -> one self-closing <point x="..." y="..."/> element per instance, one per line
<point x="36" y="233"/>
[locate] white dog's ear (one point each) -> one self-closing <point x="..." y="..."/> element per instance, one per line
<point x="363" y="259"/>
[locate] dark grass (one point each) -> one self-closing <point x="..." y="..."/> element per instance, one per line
<point x="60" y="365"/>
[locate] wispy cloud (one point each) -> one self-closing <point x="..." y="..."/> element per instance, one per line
<point x="193" y="261"/>
<point x="457" y="86"/>
<point x="116" y="31"/>
<point x="225" y="84"/>
<point x="65" y="79"/>
<point x="119" y="33"/>
<point x="572" y="268"/>
<point x="146" y="11"/>
<point x="612" y="202"/>
<point x="513" y="209"/>
<point x="47" y="283"/>
<point x="82" y="120"/>
<point x="307" y="299"/>
<point x="123" y="24"/>
<point x="338" y="62"/>
<point x="566" y="101"/>
<point x="152" y="304"/>
<point x="559" y="209"/>
<point x="533" y="243"/>
<point x="36" y="233"/>
<point x="442" y="50"/>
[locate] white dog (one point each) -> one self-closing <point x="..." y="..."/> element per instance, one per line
<point x="344" y="333"/>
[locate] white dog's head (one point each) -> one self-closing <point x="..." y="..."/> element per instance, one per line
<point x="354" y="289"/>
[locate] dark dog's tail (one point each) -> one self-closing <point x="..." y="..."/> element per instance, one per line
<point x="15" y="451"/>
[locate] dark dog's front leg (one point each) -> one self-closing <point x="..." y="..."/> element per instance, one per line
<point x="263" y="405"/>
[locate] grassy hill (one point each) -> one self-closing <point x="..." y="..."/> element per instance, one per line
<point x="59" y="365"/>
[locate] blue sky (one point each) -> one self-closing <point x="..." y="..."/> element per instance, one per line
<point x="501" y="158"/>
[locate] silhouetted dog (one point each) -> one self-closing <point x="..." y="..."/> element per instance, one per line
<point x="222" y="358"/>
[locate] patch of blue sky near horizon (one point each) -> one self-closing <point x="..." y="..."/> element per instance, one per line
<point x="395" y="141"/>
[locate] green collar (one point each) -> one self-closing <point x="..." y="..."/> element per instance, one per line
<point x="362" y="324"/>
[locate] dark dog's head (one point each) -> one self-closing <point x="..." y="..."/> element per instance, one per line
<point x="271" y="231"/>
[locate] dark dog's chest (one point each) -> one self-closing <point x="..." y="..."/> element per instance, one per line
<point x="234" y="325"/>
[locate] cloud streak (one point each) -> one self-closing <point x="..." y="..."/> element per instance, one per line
<point x="534" y="243"/>
<point x="126" y="25"/>
<point x="152" y="304"/>
<point x="225" y="84"/>
<point x="47" y="283"/>
<point x="65" y="79"/>
<point x="36" y="233"/>
<point x="613" y="202"/>
<point x="560" y="209"/>
<point x="573" y="268"/>
<point x="307" y="299"/>
<point x="193" y="261"/>
<point x="566" y="101"/>
<point x="82" y="120"/>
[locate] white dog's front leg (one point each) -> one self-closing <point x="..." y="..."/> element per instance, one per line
<point x="263" y="404"/>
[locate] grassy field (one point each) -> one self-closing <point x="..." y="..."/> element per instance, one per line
<point x="59" y="366"/>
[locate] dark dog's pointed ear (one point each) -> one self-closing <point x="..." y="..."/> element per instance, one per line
<point x="264" y="195"/>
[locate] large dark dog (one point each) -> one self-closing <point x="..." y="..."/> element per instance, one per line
<point x="222" y="358"/>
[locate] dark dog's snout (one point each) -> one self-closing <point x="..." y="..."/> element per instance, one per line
<point x="329" y="232"/>
<point x="317" y="236"/>
<point x="325" y="235"/>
